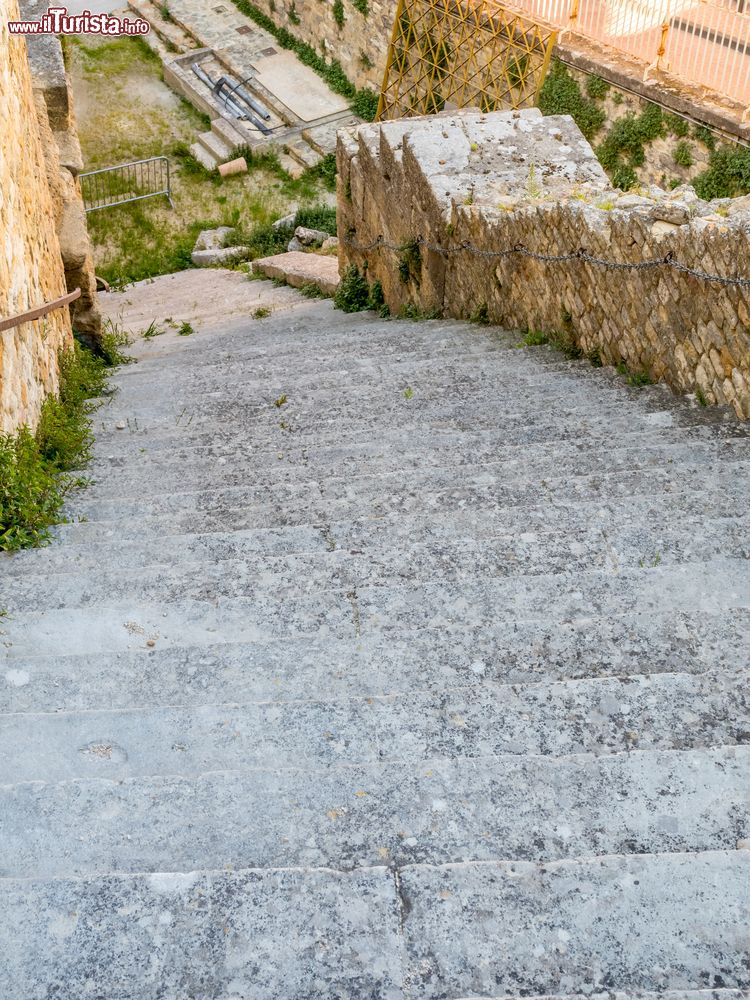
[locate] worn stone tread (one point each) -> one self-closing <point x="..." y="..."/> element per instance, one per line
<point x="217" y="671"/>
<point x="349" y="816"/>
<point x="190" y="935"/>
<point x="594" y="716"/>
<point x="578" y="924"/>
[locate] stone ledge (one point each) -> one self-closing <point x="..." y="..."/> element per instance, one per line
<point x="298" y="269"/>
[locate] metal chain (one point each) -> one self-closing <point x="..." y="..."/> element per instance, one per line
<point x="581" y="254"/>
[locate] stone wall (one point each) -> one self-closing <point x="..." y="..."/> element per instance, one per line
<point x="360" y="44"/>
<point x="31" y="268"/>
<point x="64" y="162"/>
<point x="499" y="180"/>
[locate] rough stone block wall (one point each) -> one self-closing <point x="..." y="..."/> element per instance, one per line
<point x="31" y="268"/>
<point x="497" y="181"/>
<point x="360" y="44"/>
<point x="64" y="162"/>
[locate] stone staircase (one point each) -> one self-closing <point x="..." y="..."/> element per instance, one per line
<point x="430" y="681"/>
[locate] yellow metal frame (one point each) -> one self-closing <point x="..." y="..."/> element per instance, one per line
<point x="463" y="53"/>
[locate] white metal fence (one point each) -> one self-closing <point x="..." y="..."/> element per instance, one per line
<point x="704" y="42"/>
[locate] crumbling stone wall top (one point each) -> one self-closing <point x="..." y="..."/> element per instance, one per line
<point x="478" y="185"/>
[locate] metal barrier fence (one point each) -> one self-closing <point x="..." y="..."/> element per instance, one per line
<point x="703" y="42"/>
<point x="126" y="182"/>
<point x="462" y="53"/>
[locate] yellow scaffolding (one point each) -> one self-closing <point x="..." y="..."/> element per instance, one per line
<point x="463" y="53"/>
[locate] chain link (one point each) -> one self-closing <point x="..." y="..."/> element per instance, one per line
<point x="581" y="254"/>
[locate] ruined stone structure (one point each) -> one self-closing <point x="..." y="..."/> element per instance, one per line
<point x="64" y="162"/>
<point x="359" y="43"/>
<point x="31" y="269"/>
<point x="518" y="180"/>
<point x="42" y="223"/>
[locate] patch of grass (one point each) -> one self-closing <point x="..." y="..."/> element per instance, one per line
<point x="683" y="154"/>
<point x="35" y="469"/>
<point x="151" y="331"/>
<point x="727" y="174"/>
<point x="332" y="72"/>
<point x="353" y="293"/>
<point x="480" y="315"/>
<point x="281" y="401"/>
<point x="624" y="145"/>
<point x="535" y="338"/>
<point x="700" y="396"/>
<point x="408" y="392"/>
<point x="265" y="240"/>
<point x="311" y="290"/>
<point x="638" y="379"/>
<point x="185" y="329"/>
<point x="112" y="339"/>
<point x="410" y="262"/>
<point x="561" y="95"/>
<point x="262" y="312"/>
<point x="413" y="312"/>
<point x="677" y="125"/>
<point x="597" y="88"/>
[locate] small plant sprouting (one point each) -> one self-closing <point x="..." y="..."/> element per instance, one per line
<point x="408" y="392"/>
<point x="535" y="338"/>
<point x="656" y="560"/>
<point x="410" y="262"/>
<point x="151" y="331"/>
<point x="185" y="329"/>
<point x="353" y="293"/>
<point x="261" y="312"/>
<point x="481" y="315"/>
<point x="700" y="396"/>
<point x="281" y="401"/>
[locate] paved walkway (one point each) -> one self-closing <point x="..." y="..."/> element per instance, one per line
<point x="390" y="661"/>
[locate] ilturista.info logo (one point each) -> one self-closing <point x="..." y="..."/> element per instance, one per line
<point x="57" y="21"/>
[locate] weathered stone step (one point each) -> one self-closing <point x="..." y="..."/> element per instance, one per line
<point x="708" y="994"/>
<point x="460" y="451"/>
<point x="593" y="716"/>
<point x="628" y="923"/>
<point x="213" y="573"/>
<point x="216" y="672"/>
<point x="384" y="935"/>
<point x="349" y="613"/>
<point x="438" y="812"/>
<point x="674" y="524"/>
<point x="250" y="934"/>
<point x="320" y="503"/>
<point x="352" y="371"/>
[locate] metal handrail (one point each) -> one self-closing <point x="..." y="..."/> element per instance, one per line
<point x="32" y="314"/>
<point x="151" y="177"/>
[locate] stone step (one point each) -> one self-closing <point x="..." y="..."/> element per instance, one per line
<point x="250" y="934"/>
<point x="236" y="508"/>
<point x="201" y="154"/>
<point x="344" y="817"/>
<point x="212" y="572"/>
<point x="355" y="611"/>
<point x="214" y="145"/>
<point x="676" y="523"/>
<point x="385" y="934"/>
<point x="593" y="716"/>
<point x="627" y="923"/>
<point x="708" y="994"/>
<point x="303" y="153"/>
<point x="184" y="422"/>
<point x="215" y="671"/>
<point x="300" y="269"/>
